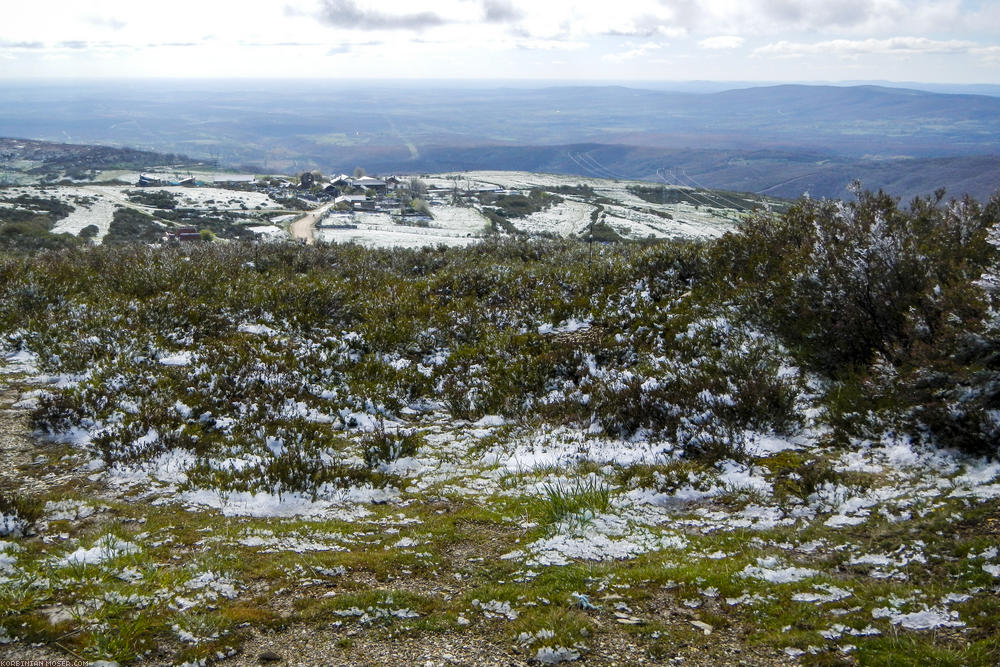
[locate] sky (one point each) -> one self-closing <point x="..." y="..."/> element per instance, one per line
<point x="941" y="41"/>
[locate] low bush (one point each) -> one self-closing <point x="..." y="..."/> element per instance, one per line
<point x="387" y="445"/>
<point x="18" y="514"/>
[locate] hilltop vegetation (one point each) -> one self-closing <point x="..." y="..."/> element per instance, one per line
<point x="563" y="447"/>
<point x="881" y="300"/>
<point x="58" y="162"/>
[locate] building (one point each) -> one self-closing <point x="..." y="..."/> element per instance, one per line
<point x="369" y="183"/>
<point x="182" y="235"/>
<point x="149" y="182"/>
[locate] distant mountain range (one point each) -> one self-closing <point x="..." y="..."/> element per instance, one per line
<point x="783" y="140"/>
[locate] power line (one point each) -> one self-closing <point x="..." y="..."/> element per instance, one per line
<point x="722" y="197"/>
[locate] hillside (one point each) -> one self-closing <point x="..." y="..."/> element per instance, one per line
<point x="26" y="161"/>
<point x="782" y="140"/>
<point x="107" y="206"/>
<point x="776" y="445"/>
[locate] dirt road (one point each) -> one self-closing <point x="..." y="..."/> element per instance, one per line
<point x="302" y="229"/>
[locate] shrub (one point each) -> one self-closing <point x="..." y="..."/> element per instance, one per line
<point x="130" y="225"/>
<point x="846" y="282"/>
<point x="881" y="297"/>
<point x="18" y="514"/>
<point x="385" y="446"/>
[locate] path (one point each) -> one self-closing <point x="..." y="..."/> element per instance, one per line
<point x="302" y="229"/>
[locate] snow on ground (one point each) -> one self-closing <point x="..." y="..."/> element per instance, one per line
<point x="96" y="204"/>
<point x="392" y="238"/>
<point x="269" y="232"/>
<point x="98" y="214"/>
<point x="458" y="218"/>
<point x="484" y="460"/>
<point x="220" y="198"/>
<point x="18" y="362"/>
<point x="632" y="216"/>
<point x="244" y="503"/>
<point x="380" y="230"/>
<point x="105" y="548"/>
<point x="568" y="217"/>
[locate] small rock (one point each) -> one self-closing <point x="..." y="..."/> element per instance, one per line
<point x="626" y="619"/>
<point x="269" y="656"/>
<point x="704" y="627"/>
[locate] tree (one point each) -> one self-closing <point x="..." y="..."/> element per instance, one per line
<point x="359" y="172"/>
<point x="417" y="187"/>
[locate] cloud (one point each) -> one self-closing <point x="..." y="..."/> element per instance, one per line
<point x="347" y="14"/>
<point x="501" y="11"/>
<point x="638" y="52"/>
<point x="820" y="14"/>
<point x="845" y="18"/>
<point x="22" y="45"/>
<point x="351" y="47"/>
<point x="550" y="45"/>
<point x="687" y="14"/>
<point x="106" y="22"/>
<point x="988" y="53"/>
<point x="646" y="26"/>
<point x="903" y="46"/>
<point x="722" y="42"/>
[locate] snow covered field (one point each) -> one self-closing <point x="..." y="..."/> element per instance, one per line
<point x="220" y="198"/>
<point x="98" y="214"/>
<point x="631" y="216"/>
<point x="564" y="219"/>
<point x="96" y="204"/>
<point x="628" y="215"/>
<point x="452" y="226"/>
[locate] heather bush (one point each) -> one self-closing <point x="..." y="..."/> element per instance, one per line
<point x="882" y="298"/>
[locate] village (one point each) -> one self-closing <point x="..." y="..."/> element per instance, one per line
<point x="191" y="204"/>
<point x="360" y="202"/>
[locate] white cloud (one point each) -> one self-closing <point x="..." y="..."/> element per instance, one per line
<point x="904" y="46"/>
<point x="722" y="42"/>
<point x="643" y="50"/>
<point x="227" y="37"/>
<point x="550" y="45"/>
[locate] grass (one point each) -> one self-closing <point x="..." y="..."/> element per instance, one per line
<point x="652" y="586"/>
<point x="582" y="500"/>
